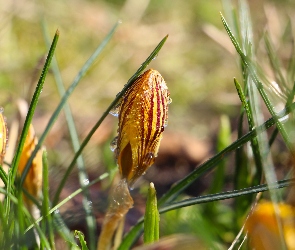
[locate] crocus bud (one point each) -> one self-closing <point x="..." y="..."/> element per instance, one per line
<point x="143" y="115"/>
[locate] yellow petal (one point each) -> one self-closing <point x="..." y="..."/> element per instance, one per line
<point x="3" y="136"/>
<point x="263" y="229"/>
<point x="33" y="181"/>
<point x="142" y="118"/>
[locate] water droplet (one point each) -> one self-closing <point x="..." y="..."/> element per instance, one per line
<point x="116" y="109"/>
<point x="116" y="202"/>
<point x="1" y="110"/>
<point x="113" y="144"/>
<point x="155" y="57"/>
<point x="284" y="118"/>
<point x="77" y="234"/>
<point x="56" y="211"/>
<point x="149" y="155"/>
<point x="169" y="100"/>
<point x="89" y="203"/>
<point x="166" y="123"/>
<point x="85" y="181"/>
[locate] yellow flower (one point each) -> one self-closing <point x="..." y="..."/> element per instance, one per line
<point x="3" y="136"/>
<point x="263" y="229"/>
<point x="142" y="118"/>
<point x="33" y="181"/>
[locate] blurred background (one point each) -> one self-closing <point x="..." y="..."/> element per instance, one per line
<point x="197" y="62"/>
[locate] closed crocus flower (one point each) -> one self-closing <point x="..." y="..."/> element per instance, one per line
<point x="33" y="181"/>
<point x="3" y="136"/>
<point x="143" y="115"/>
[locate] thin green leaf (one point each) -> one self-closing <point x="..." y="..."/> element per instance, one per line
<point x="224" y="139"/>
<point x="46" y="201"/>
<point x="3" y="176"/>
<point x="258" y="84"/>
<point x="151" y="217"/>
<point x="28" y="120"/>
<point x="92" y="131"/>
<point x="132" y="236"/>
<point x="80" y="236"/>
<point x="69" y="91"/>
<point x="28" y="216"/>
<point x="254" y="142"/>
<point x="208" y="165"/>
<point x="71" y="196"/>
<point x="275" y="64"/>
<point x="83" y="176"/>
<point x="227" y="195"/>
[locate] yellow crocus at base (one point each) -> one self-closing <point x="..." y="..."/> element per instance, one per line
<point x="33" y="181"/>
<point x="263" y="230"/>
<point x="3" y="136"/>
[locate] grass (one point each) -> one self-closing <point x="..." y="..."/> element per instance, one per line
<point x="220" y="212"/>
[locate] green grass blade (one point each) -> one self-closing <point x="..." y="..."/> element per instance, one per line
<point x="227" y="195"/>
<point x="28" y="121"/>
<point x="46" y="202"/>
<point x="275" y="64"/>
<point x="63" y="230"/>
<point x="81" y="239"/>
<point x="26" y="213"/>
<point x="31" y="111"/>
<point x="151" y="217"/>
<point x="71" y="196"/>
<point x="92" y="131"/>
<point x="258" y="84"/>
<point x="223" y="140"/>
<point x="254" y="142"/>
<point x="69" y="91"/>
<point x="132" y="235"/>
<point x="4" y="227"/>
<point x="3" y="176"/>
<point x="208" y="165"/>
<point x="83" y="176"/>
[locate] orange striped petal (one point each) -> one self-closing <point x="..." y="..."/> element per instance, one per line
<point x="142" y="118"/>
<point x="33" y="181"/>
<point x="3" y="136"/>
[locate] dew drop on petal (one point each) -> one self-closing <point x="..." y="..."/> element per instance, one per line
<point x="113" y="144"/>
<point x="166" y="123"/>
<point x="150" y="155"/>
<point x="116" y="109"/>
